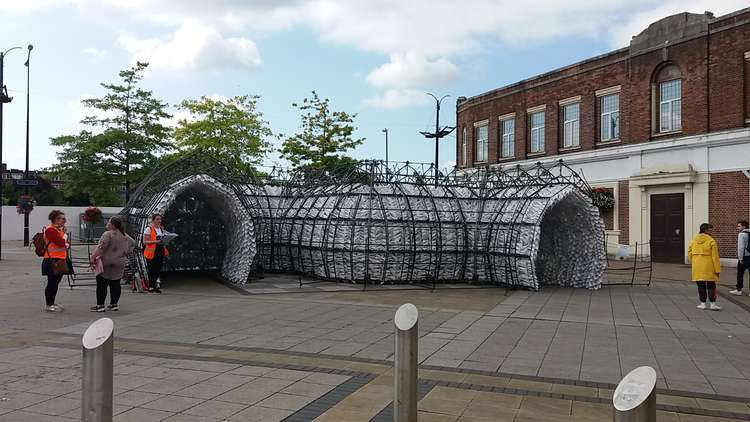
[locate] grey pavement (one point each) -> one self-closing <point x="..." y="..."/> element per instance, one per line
<point x="555" y="333"/>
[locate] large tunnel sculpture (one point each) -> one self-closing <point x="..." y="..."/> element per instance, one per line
<point x="367" y="223"/>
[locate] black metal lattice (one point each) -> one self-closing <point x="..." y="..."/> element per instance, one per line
<point x="368" y="223"/>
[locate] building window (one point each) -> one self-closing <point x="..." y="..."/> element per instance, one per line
<point x="670" y="105"/>
<point x="482" y="144"/>
<point x="508" y="137"/>
<point x="610" y="109"/>
<point x="666" y="95"/>
<point x="537" y="131"/>
<point x="464" y="145"/>
<point x="571" y="125"/>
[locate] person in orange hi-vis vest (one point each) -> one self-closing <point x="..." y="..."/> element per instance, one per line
<point x="57" y="244"/>
<point x="154" y="251"/>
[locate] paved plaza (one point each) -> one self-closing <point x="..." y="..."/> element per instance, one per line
<point x="206" y="352"/>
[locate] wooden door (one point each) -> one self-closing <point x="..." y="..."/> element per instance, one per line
<point x="667" y="227"/>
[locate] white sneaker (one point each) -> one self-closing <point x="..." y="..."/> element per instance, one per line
<point x="52" y="308"/>
<point x="62" y="308"/>
<point x="702" y="305"/>
<point x="735" y="292"/>
<point x="715" y="307"/>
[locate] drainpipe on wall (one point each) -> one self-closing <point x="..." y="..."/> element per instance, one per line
<point x="747" y="174"/>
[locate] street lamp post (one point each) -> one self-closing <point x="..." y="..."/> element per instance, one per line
<point x="26" y="172"/>
<point x="439" y="133"/>
<point x="4" y="98"/>
<point x="386" y="148"/>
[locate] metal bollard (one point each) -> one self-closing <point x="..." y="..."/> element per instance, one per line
<point x="405" y="365"/>
<point x="634" y="399"/>
<point x="98" y="362"/>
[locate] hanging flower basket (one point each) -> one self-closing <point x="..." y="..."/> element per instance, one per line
<point x="92" y="215"/>
<point x="25" y="204"/>
<point x="603" y="198"/>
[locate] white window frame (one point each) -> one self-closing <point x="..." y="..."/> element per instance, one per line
<point x="481" y="150"/>
<point x="571" y="127"/>
<point x="536" y="134"/>
<point x="671" y="109"/>
<point x="606" y="119"/>
<point x="508" y="138"/>
<point x="464" y="148"/>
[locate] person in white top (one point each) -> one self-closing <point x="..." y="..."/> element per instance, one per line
<point x="154" y="251"/>
<point x="743" y="256"/>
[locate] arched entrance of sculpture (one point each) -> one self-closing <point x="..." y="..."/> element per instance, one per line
<point x="215" y="230"/>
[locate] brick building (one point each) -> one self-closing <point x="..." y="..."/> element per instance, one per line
<point x="664" y="124"/>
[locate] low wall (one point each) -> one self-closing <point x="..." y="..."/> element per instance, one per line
<point x="13" y="221"/>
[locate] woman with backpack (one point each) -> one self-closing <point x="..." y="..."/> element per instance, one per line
<point x="114" y="247"/>
<point x="55" y="263"/>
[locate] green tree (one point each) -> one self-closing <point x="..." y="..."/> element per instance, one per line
<point x="325" y="135"/>
<point x="231" y="130"/>
<point x="126" y="131"/>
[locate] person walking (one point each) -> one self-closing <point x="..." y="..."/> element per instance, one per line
<point x="154" y="251"/>
<point x="114" y="247"/>
<point x="743" y="256"/>
<point x="706" y="267"/>
<point x="55" y="263"/>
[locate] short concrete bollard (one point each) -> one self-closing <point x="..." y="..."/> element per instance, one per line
<point x="98" y="370"/>
<point x="634" y="399"/>
<point x="405" y="365"/>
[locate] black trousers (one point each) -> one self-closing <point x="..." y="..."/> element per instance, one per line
<point x="742" y="266"/>
<point x="101" y="290"/>
<point x="50" y="292"/>
<point x="706" y="289"/>
<point x="154" y="266"/>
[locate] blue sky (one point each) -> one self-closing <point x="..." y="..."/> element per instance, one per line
<point x="373" y="58"/>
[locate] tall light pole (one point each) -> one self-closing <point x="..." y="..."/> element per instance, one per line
<point x="4" y="98"/>
<point x="439" y="133"/>
<point x="26" y="172"/>
<point x="386" y="148"/>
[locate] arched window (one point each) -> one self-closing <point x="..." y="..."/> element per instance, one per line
<point x="464" y="144"/>
<point x="668" y="90"/>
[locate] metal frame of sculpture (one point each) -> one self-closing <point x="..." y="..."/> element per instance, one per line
<point x="368" y="223"/>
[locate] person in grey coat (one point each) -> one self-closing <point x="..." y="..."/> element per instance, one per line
<point x="114" y="247"/>
<point x="743" y="256"/>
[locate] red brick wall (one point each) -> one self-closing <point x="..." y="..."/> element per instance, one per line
<point x="714" y="77"/>
<point x="728" y="73"/>
<point x="728" y="201"/>
<point x="623" y="208"/>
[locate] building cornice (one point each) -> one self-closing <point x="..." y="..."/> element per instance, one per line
<point x="535" y="109"/>
<point x="570" y="100"/>
<point x="713" y="140"/>
<point x="608" y="91"/>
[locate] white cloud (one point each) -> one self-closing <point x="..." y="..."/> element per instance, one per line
<point x="635" y="23"/>
<point x="95" y="53"/>
<point x="397" y="98"/>
<point x="403" y="75"/>
<point x="28" y="6"/>
<point x="422" y="38"/>
<point x="193" y="47"/>
<point x="412" y="69"/>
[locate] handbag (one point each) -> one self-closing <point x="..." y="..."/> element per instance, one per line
<point x="60" y="267"/>
<point x="98" y="265"/>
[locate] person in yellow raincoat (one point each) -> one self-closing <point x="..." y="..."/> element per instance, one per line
<point x="704" y="257"/>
